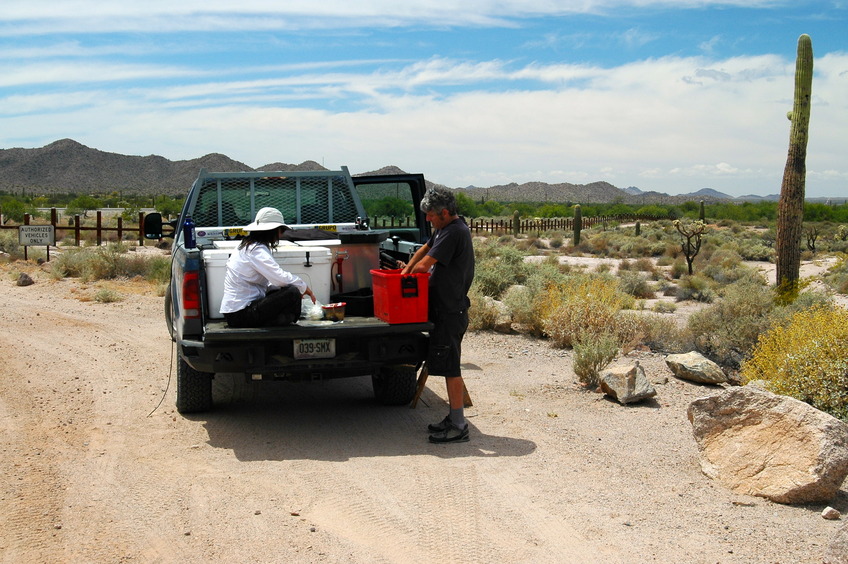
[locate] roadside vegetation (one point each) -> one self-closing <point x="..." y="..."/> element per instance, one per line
<point x="604" y="312"/>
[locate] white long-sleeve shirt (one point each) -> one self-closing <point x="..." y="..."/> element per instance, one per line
<point x="251" y="272"/>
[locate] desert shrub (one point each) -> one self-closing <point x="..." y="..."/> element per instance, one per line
<point x="635" y="284"/>
<point x="106" y="296"/>
<point x="837" y="276"/>
<point x="9" y="244"/>
<point x="696" y="288"/>
<point x="664" y="307"/>
<point x="483" y="312"/>
<point x="806" y="358"/>
<point x="727" y="330"/>
<point x="108" y="262"/>
<point x="678" y="268"/>
<point x="529" y="304"/>
<point x="592" y="352"/>
<point x="659" y="333"/>
<point x="756" y="251"/>
<point x="498" y="268"/>
<point x="585" y="305"/>
<point x="556" y="242"/>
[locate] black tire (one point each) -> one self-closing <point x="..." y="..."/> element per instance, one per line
<point x="395" y="384"/>
<point x="194" y="389"/>
<point x="169" y="313"/>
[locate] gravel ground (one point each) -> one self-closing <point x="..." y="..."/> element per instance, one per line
<point x="93" y="471"/>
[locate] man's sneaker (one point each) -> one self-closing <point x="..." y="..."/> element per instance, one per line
<point x="452" y="434"/>
<point x="441" y="426"/>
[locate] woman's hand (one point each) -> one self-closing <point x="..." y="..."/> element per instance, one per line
<point x="309" y="293"/>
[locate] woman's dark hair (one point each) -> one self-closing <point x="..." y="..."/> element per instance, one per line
<point x="269" y="238"/>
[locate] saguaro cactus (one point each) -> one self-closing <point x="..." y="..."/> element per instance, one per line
<point x="790" y="210"/>
<point x="578" y="224"/>
<point x="701" y="215"/>
<point x="516" y="223"/>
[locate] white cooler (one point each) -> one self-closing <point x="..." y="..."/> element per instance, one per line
<point x="314" y="269"/>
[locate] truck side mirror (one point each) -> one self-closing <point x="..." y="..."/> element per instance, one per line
<point x="153" y="226"/>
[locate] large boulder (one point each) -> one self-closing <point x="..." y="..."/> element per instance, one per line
<point x="695" y="367"/>
<point x="759" y="443"/>
<point x="627" y="383"/>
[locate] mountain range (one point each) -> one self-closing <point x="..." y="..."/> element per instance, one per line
<point x="66" y="166"/>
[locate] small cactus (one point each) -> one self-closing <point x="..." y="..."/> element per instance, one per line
<point x="638" y="228"/>
<point x="516" y="223"/>
<point x="578" y="224"/>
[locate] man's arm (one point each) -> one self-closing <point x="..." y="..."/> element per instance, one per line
<point x="420" y="261"/>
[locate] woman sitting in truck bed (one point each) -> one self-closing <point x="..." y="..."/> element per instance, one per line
<point x="257" y="292"/>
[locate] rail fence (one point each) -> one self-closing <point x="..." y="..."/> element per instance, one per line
<point x="478" y="225"/>
<point x="75" y="225"/>
<point x="493" y="226"/>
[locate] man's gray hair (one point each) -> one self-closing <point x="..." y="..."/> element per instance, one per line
<point x="437" y="199"/>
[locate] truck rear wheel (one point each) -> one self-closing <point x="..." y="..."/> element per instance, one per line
<point x="194" y="389"/>
<point x="395" y="384"/>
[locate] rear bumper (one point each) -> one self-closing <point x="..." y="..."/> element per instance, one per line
<point x="362" y="345"/>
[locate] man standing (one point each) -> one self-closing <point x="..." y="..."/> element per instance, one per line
<point x="449" y="257"/>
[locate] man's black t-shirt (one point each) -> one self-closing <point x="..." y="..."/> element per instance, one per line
<point x="453" y="272"/>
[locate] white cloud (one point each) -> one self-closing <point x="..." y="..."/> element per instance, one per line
<point x="673" y="124"/>
<point x="23" y="17"/>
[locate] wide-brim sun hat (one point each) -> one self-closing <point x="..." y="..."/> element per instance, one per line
<point x="266" y="218"/>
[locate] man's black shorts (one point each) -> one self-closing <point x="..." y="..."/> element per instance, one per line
<point x="446" y="343"/>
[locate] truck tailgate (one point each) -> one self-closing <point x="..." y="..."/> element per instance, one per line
<point x="352" y="327"/>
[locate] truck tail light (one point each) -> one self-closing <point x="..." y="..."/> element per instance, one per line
<point x="191" y="295"/>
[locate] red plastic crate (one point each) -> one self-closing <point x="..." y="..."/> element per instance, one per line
<point x="400" y="298"/>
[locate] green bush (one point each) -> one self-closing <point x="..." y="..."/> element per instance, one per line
<point x="592" y="352"/>
<point x="635" y="284"/>
<point x="586" y="305"/>
<point x="806" y="358"/>
<point x="837" y="276"/>
<point x="483" y="312"/>
<point x="727" y="330"/>
<point x="530" y="303"/>
<point x="499" y="267"/>
<point x="9" y="244"/>
<point x="108" y="262"/>
<point x="106" y="296"/>
<point x="696" y="288"/>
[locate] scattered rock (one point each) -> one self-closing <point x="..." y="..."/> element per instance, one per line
<point x="759" y="443"/>
<point x="695" y="367"/>
<point x="837" y="552"/>
<point x="25" y="280"/>
<point x="626" y="383"/>
<point x="503" y="319"/>
<point x="831" y="514"/>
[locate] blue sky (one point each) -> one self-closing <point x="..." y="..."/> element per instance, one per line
<point x="666" y="96"/>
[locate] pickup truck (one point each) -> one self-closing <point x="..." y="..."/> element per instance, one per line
<point x="330" y="245"/>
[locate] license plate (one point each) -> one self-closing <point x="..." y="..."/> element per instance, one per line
<point x="314" y="348"/>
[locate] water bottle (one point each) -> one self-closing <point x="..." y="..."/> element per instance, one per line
<point x="188" y="233"/>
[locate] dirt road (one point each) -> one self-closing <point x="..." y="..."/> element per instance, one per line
<point x="320" y="473"/>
